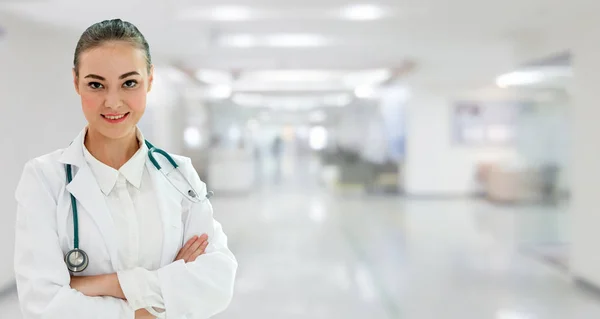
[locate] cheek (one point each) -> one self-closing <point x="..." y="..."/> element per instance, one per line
<point x="91" y="103"/>
<point x="137" y="101"/>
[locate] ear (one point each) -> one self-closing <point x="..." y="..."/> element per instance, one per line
<point x="75" y="81"/>
<point x="150" y="77"/>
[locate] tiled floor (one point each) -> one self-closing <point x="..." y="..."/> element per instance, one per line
<point x="304" y="253"/>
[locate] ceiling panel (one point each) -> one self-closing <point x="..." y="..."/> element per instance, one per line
<point x="442" y="37"/>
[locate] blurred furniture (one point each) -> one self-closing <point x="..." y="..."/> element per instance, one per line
<point x="385" y="178"/>
<point x="346" y="169"/>
<point x="505" y="184"/>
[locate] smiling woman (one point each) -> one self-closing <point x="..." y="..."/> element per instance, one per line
<point x="112" y="73"/>
<point x="149" y="252"/>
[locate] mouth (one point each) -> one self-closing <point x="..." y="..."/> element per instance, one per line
<point x="115" y="118"/>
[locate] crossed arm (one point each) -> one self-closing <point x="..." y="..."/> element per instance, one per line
<point x="108" y="285"/>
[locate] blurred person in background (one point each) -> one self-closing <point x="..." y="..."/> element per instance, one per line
<point x="277" y="152"/>
<point x="132" y="220"/>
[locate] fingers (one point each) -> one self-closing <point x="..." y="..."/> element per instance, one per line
<point x="199" y="251"/>
<point x="185" y="248"/>
<point x="189" y="243"/>
<point x="193" y="248"/>
<point x="204" y="237"/>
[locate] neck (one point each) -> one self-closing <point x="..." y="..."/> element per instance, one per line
<point x="112" y="152"/>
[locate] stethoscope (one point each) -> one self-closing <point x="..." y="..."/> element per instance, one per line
<point x="76" y="259"/>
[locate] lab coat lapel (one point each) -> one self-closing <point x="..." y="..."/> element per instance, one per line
<point x="170" y="206"/>
<point x="88" y="194"/>
<point x="90" y="199"/>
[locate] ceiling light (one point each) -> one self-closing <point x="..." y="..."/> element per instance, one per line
<point x="247" y="86"/>
<point x="519" y="78"/>
<point x="213" y="76"/>
<point x="284" y="40"/>
<point x="218" y="13"/>
<point x="289" y="76"/>
<point x="230" y="13"/>
<point x="532" y="76"/>
<point x="362" y="12"/>
<point x="314" y="80"/>
<point x="295" y="40"/>
<point x="364" y="92"/>
<point x="219" y="92"/>
<point x="367" y="77"/>
<point x="239" y="41"/>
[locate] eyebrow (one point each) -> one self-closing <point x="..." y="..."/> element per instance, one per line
<point x="128" y="74"/>
<point x="97" y="77"/>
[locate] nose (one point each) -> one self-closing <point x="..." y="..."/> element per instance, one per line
<point x="113" y="100"/>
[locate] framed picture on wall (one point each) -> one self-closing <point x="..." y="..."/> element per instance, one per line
<point x="476" y="123"/>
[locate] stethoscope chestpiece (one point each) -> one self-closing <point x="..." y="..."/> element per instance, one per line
<point x="77" y="260"/>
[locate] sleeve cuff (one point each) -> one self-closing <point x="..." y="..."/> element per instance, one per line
<point x="141" y="288"/>
<point x="158" y="313"/>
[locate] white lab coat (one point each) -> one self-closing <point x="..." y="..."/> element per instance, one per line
<point x="44" y="233"/>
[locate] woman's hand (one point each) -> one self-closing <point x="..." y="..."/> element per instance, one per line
<point x="104" y="285"/>
<point x="143" y="314"/>
<point x="193" y="248"/>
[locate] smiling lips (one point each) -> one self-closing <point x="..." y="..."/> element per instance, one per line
<point x="115" y="118"/>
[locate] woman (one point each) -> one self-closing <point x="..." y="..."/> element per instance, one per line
<point x="132" y="220"/>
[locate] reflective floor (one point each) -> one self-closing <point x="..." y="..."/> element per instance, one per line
<point x="317" y="255"/>
<point x="308" y="253"/>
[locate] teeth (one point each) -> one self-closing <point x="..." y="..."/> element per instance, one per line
<point x="114" y="117"/>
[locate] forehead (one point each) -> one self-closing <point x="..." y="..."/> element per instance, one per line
<point x="112" y="59"/>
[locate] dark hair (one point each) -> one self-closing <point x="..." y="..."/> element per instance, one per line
<point x="111" y="30"/>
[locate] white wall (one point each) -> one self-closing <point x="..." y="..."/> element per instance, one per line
<point x="585" y="157"/>
<point x="433" y="165"/>
<point x="40" y="110"/>
<point x="163" y="118"/>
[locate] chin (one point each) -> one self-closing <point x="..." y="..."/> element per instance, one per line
<point x="116" y="133"/>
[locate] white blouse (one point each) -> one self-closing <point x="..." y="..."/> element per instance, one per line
<point x="132" y="203"/>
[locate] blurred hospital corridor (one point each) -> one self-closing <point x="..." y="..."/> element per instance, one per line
<point x="306" y="252"/>
<point x="380" y="159"/>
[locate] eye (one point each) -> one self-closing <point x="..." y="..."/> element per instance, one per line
<point x="95" y="85"/>
<point x="130" y="84"/>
